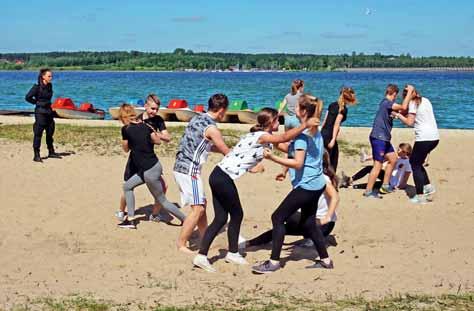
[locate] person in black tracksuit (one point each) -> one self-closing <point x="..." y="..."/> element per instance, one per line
<point x="40" y="95"/>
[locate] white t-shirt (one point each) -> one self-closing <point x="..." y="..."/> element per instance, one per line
<point x="244" y="156"/>
<point x="323" y="205"/>
<point x="426" y="128"/>
<point x="401" y="167"/>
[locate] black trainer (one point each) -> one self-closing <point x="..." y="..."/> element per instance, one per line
<point x="127" y="224"/>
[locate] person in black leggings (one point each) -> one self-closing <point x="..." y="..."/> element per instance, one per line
<point x="40" y="95"/>
<point x="336" y="115"/>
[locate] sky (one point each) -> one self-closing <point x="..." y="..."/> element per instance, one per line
<point x="421" y="28"/>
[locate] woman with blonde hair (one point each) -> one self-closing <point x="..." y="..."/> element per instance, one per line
<point x="336" y="115"/>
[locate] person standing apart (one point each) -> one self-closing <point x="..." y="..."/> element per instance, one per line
<point x="290" y="101"/>
<point x="422" y="118"/>
<point x="40" y="95"/>
<point x="336" y="115"/>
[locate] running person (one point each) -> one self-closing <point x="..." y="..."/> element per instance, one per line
<point x="40" y="95"/>
<point x="380" y="137"/>
<point x="246" y="156"/>
<point x="200" y="136"/>
<point x="421" y="116"/>
<point x="140" y="138"/>
<point x="336" y="115"/>
<point x="306" y="153"/>
<point x="290" y="102"/>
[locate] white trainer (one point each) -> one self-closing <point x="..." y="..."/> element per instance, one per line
<point x="429" y="189"/>
<point x="235" y="258"/>
<point x="202" y="262"/>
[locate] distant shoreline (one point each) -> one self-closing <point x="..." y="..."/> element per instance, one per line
<point x="404" y="69"/>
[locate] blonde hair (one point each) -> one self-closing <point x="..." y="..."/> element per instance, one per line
<point x="347" y="96"/>
<point x="312" y="105"/>
<point x="127" y="113"/>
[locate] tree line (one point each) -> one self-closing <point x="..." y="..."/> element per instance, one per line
<point x="182" y="59"/>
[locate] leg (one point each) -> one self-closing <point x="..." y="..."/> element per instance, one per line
<point x="373" y="175"/>
<point x="362" y="173"/>
<point x="123" y="204"/>
<point x="38" y="128"/>
<point x="334" y="156"/>
<point x="421" y="149"/>
<point x="292" y="227"/>
<point x="392" y="160"/>
<point x="327" y="228"/>
<point x="190" y="222"/>
<point x="128" y="187"/>
<point x="50" y="132"/>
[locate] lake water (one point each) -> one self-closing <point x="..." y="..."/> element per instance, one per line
<point x="450" y="92"/>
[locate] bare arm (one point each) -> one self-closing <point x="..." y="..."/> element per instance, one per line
<point x="125" y="146"/>
<point x="335" y="131"/>
<point x="282" y="106"/>
<point x="288" y="135"/>
<point x="333" y="197"/>
<point x="408" y="120"/>
<point x="283" y="147"/>
<point x="213" y="134"/>
<point x="155" y="138"/>
<point x="165" y="136"/>
<point x="406" y="100"/>
<point x="296" y="163"/>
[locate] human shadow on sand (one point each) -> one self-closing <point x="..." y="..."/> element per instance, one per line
<point x="165" y="216"/>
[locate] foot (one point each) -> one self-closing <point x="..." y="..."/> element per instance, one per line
<point x="266" y="267"/>
<point x="154" y="218"/>
<point x="120" y="215"/>
<point x="372" y="195"/>
<point x="235" y="258"/>
<point x="52" y="154"/>
<point x="419" y="199"/>
<point x="319" y="264"/>
<point x="345" y="181"/>
<point x="202" y="262"/>
<point x="127" y="224"/>
<point x="429" y="189"/>
<point x="386" y="189"/>
<point x="37" y="158"/>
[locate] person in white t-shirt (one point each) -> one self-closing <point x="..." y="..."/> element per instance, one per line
<point x="422" y="118"/>
<point x="400" y="174"/>
<point x="244" y="157"/>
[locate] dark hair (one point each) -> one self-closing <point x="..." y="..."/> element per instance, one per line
<point x="296" y="85"/>
<point x="406" y="147"/>
<point x="265" y="118"/>
<point x="153" y="98"/>
<point x="391" y="89"/>
<point x="41" y="74"/>
<point x="417" y="96"/>
<point x="328" y="170"/>
<point x="217" y="101"/>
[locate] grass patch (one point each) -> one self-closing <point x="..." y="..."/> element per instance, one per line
<point x="350" y="149"/>
<point x="403" y="302"/>
<point x="100" y="140"/>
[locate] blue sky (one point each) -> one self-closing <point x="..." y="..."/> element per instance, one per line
<point x="421" y="28"/>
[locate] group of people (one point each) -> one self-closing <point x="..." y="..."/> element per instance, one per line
<point x="311" y="151"/>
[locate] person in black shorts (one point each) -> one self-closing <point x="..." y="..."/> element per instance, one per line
<point x="336" y="115"/>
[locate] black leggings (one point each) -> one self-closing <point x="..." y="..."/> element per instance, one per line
<point x="307" y="200"/>
<point x="226" y="202"/>
<point x="43" y="122"/>
<point x="421" y="149"/>
<point x="292" y="227"/>
<point x="364" y="172"/>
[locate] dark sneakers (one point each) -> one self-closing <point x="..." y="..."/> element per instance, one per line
<point x="37" y="156"/>
<point x="127" y="224"/>
<point x="266" y="267"/>
<point x="319" y="264"/>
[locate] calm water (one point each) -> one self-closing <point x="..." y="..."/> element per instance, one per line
<point x="450" y="92"/>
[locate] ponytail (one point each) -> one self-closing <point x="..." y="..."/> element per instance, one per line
<point x="265" y="118"/>
<point x="347" y="96"/>
<point x="296" y="85"/>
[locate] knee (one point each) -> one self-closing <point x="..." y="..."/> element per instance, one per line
<point x="125" y="187"/>
<point x="276" y="220"/>
<point x="237" y="216"/>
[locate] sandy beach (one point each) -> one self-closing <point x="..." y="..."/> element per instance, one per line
<point x="59" y="236"/>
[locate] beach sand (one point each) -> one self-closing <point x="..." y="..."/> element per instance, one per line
<point x="58" y="235"/>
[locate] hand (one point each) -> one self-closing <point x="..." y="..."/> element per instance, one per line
<point x="310" y="122"/>
<point x="331" y="143"/>
<point x="281" y="176"/>
<point x="325" y="220"/>
<point x="410" y="88"/>
<point x="395" y="114"/>
<point x="267" y="153"/>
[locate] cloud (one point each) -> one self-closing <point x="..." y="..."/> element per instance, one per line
<point x="358" y="26"/>
<point x="189" y="19"/>
<point x="333" y="35"/>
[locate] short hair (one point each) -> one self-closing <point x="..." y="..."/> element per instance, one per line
<point x="152" y="98"/>
<point x="217" y="101"/>
<point x="406" y="147"/>
<point x="391" y="89"/>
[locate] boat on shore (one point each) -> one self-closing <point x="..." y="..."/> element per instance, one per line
<point x="65" y="108"/>
<point x="114" y="111"/>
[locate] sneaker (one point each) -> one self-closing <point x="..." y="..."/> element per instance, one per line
<point x="372" y="195"/>
<point x="429" y="189"/>
<point x="386" y="189"/>
<point x="120" y="215"/>
<point x="127" y="224"/>
<point x="235" y="258"/>
<point x="266" y="267"/>
<point x="154" y="218"/>
<point x="242" y="243"/>
<point x="308" y="243"/>
<point x="319" y="264"/>
<point x="345" y="181"/>
<point x="202" y="262"/>
<point x="419" y="199"/>
<point x="363" y="156"/>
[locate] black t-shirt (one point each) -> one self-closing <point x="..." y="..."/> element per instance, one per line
<point x="156" y="122"/>
<point x="333" y="111"/>
<point x="142" y="154"/>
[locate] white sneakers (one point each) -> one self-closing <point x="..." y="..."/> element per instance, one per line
<point x="235" y="258"/>
<point x="202" y="262"/>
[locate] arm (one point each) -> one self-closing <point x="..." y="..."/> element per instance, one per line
<point x="406" y="100"/>
<point x="296" y="162"/>
<point x="281" y="176"/>
<point x="408" y="120"/>
<point x="335" y="131"/>
<point x="333" y="197"/>
<point x="288" y="135"/>
<point x="282" y="105"/>
<point x="404" y="180"/>
<point x="125" y="146"/>
<point x="31" y="96"/>
<point x="283" y="147"/>
<point x="155" y="138"/>
<point x="165" y="136"/>
<point x="213" y="134"/>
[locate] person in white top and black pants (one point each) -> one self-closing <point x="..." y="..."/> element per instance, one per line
<point x="422" y="118"/>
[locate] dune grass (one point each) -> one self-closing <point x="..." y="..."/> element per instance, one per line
<point x="464" y="301"/>
<point x="106" y="140"/>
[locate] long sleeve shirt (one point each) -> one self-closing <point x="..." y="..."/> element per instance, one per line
<point x="41" y="97"/>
